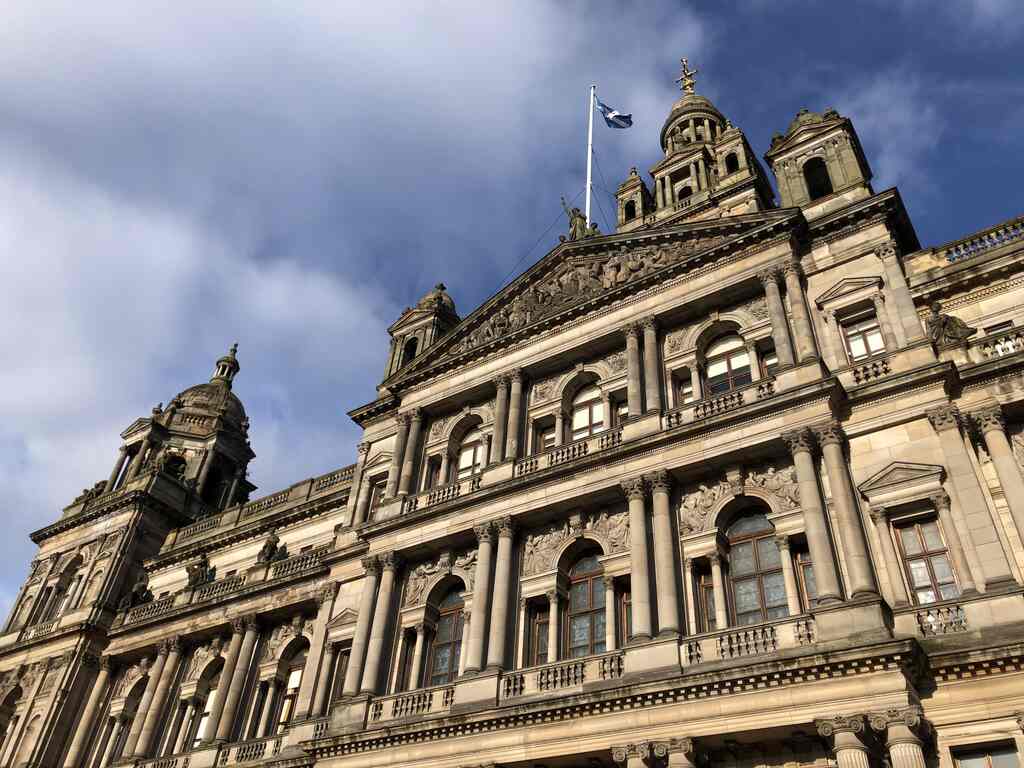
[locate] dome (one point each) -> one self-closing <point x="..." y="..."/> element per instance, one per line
<point x="213" y="399"/>
<point x="438" y="297"/>
<point x="690" y="105"/>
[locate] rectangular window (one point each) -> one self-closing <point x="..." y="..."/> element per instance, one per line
<point x="863" y="338"/>
<point x="926" y="561"/>
<point x="377" y="492"/>
<point x="706" y="593"/>
<point x="539" y="636"/>
<point x="545" y="439"/>
<point x="625" y="628"/>
<point x="685" y="392"/>
<point x="621" y="412"/>
<point x="995" y="756"/>
<point x="433" y="472"/>
<point x="769" y="362"/>
<point x="808" y="587"/>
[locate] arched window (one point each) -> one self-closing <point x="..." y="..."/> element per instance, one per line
<point x="292" y="669"/>
<point x="732" y="163"/>
<point x="588" y="416"/>
<point x="471" y="454"/>
<point x="8" y="720"/>
<point x="755" y="571"/>
<point x="629" y="210"/>
<point x="585" y="617"/>
<point x="204" y="717"/>
<point x="684" y="192"/>
<point x="727" y="365"/>
<point x="446" y="644"/>
<point x="817" y="179"/>
<point x="409" y="350"/>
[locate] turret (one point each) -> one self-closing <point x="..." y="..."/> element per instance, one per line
<point x="419" y="327"/>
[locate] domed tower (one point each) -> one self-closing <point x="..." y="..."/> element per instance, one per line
<point x="419" y="327"/>
<point x="201" y="440"/>
<point x="708" y="171"/>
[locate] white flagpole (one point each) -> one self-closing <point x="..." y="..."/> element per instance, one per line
<point x="590" y="143"/>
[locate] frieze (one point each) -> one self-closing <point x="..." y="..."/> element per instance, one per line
<point x="777" y="482"/>
<point x="542" y="546"/>
<point x="201" y="657"/>
<point x="421" y="576"/>
<point x="282" y="635"/>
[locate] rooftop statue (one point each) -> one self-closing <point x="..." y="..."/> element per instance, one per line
<point x="946" y="330"/>
<point x="578" y="229"/>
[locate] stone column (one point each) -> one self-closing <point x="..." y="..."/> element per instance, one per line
<point x="515" y="412"/>
<point x="777" y="314"/>
<point x="652" y="379"/>
<point x="142" y="711"/>
<point x="227" y="675"/>
<point x="892" y="562"/>
<point x="416" y="673"/>
<point x="993" y="430"/>
<point x="446" y="460"/>
<point x="523" y="635"/>
<point x="464" y="652"/>
<point x="681" y="752"/>
<point x="115" y="735"/>
<point x="788" y="576"/>
<point x="897" y="284"/>
<point x="122" y="457"/>
<point x="381" y="616"/>
<point x="800" y="443"/>
<point x="855" y="547"/>
<point x="634" y="395"/>
<point x="411" y="458"/>
<point x="323" y="683"/>
<point x="204" y="471"/>
<point x="640" y="581"/>
<point x="755" y="361"/>
<point x="609" y="613"/>
<point x="172" y="650"/>
<point x="304" y="705"/>
<point x="363" y="501"/>
<point x="181" y="742"/>
<point x="803" y="331"/>
<point x="560" y="427"/>
<point x="266" y="726"/>
<point x="481" y="595"/>
<point x="397" y="455"/>
<point x="664" y="559"/>
<point x="718" y="587"/>
<point x="357" y="656"/>
<point x="658" y="186"/>
<point x="500" y="419"/>
<point x="553" y="597"/>
<point x="502" y="590"/>
<point x="85" y="727"/>
<point x="136" y="465"/>
<point x="899" y="726"/>
<point x="966" y="491"/>
<point x="884" y="323"/>
<point x="954" y="545"/>
<point x="235" y="482"/>
<point x="691" y="597"/>
<point x="356" y="492"/>
<point x="695" y="383"/>
<point x="239" y="673"/>
<point x="849" y="750"/>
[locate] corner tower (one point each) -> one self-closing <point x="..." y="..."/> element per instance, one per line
<point x="419" y="327"/>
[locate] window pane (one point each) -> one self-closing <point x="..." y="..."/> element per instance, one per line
<point x="1004" y="757"/>
<point x="774" y="590"/>
<point x="579" y="631"/>
<point x="925" y="596"/>
<point x="442" y="660"/>
<point x="810" y="585"/>
<point x="578" y="596"/>
<point x="717" y="368"/>
<point x="919" y="573"/>
<point x="753" y="617"/>
<point x="949" y="591"/>
<point x="588" y="564"/>
<point x="724" y="345"/>
<point x="941" y="569"/>
<point x="741" y="558"/>
<point x="857" y="347"/>
<point x="599" y="628"/>
<point x="444" y="629"/>
<point x="932" y="538"/>
<point x="778" y="612"/>
<point x="751" y="523"/>
<point x="747" y="596"/>
<point x="911" y="544"/>
<point x="768" y="554"/>
<point x="598" y="594"/>
<point x="875" y="343"/>
<point x="973" y="760"/>
<point x="739" y="360"/>
<point x="580" y="418"/>
<point x="597" y="413"/>
<point x="466" y="457"/>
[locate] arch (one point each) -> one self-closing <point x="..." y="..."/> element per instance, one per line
<point x="735" y="506"/>
<point x="574" y="548"/>
<point x="732" y="163"/>
<point x="28" y="738"/>
<point x="817" y="179"/>
<point x="629" y="210"/>
<point x="409" y="350"/>
<point x="289" y="651"/>
<point x="684" y="192"/>
<point x="461" y="427"/>
<point x="576" y="381"/>
<point x="442" y="585"/>
<point x="209" y="672"/>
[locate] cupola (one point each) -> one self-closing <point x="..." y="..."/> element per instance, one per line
<point x="419" y="327"/>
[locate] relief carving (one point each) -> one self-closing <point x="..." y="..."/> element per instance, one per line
<point x="541" y="546"/>
<point x="698" y="504"/>
<point x="202" y="656"/>
<point x="424" y="573"/>
<point x="282" y="635"/>
<point x="780" y="482"/>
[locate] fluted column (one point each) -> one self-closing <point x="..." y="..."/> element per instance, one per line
<point x="142" y="711"/>
<point x="227" y="674"/>
<point x="609" y="613"/>
<point x="239" y="673"/>
<point x="481" y="595"/>
<point x="788" y="576"/>
<point x="801" y="443"/>
<point x="357" y="655"/>
<point x="652" y="380"/>
<point x="851" y="531"/>
<point x="363" y="501"/>
<point x="847" y="746"/>
<point x="323" y="682"/>
<point x="500" y="419"/>
<point x="498" y="640"/>
<point x="634" y="395"/>
<point x="85" y="727"/>
<point x="897" y="283"/>
<point x="381" y="615"/>
<point x="993" y="430"/>
<point x="803" y="331"/>
<point x="777" y="314"/>
<point x="515" y="415"/>
<point x="892" y="562"/>
<point x="172" y="650"/>
<point x="954" y="545"/>
<point x="553" y="601"/>
<point x="411" y="457"/>
<point x="966" y="491"/>
<point x="397" y="455"/>
<point x="718" y="587"/>
<point x="898" y="726"/>
<point x="640" y="580"/>
<point x="884" y="322"/>
<point x="416" y="673"/>
<point x="664" y="559"/>
<point x="122" y="457"/>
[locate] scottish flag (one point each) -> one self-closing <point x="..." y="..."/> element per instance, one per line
<point x="613" y="117"/>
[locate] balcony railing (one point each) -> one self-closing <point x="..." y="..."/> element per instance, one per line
<point x="39" y="630"/>
<point x="301" y="562"/>
<point x="217" y="588"/>
<point x="262" y="505"/>
<point x="206" y="524"/>
<point x="425" y="701"/>
<point x="942" y="620"/>
<point x="250" y="751"/>
<point x="1008" y="342"/>
<point x="149" y="610"/>
<point x="754" y="640"/>
<point x="980" y="242"/>
<point x="871" y="370"/>
<point x="719" y="404"/>
<point x="566" y="675"/>
<point x="748" y="642"/>
<point x="174" y="761"/>
<point x="568" y="453"/>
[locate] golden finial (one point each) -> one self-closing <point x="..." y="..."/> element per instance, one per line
<point x="686" y="80"/>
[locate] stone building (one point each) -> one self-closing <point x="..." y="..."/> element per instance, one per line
<point x="738" y="485"/>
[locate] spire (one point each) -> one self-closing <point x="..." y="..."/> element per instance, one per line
<point x="227" y="367"/>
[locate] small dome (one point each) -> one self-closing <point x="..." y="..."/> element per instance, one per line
<point x="690" y="105"/>
<point x="213" y="399"/>
<point x="438" y="297"/>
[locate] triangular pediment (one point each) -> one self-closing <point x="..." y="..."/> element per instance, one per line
<point x="847" y="287"/>
<point x="577" y="278"/>
<point x="343" y="619"/>
<point x="901" y="474"/>
<point x="806" y="126"/>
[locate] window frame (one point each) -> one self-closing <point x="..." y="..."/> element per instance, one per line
<point x="457" y="615"/>
<point x="733" y="377"/>
<point x="476" y="448"/>
<point x="925" y="555"/>
<point x="854" y="321"/>
<point x="985" y="750"/>
<point x="758" y="574"/>
<point x="588" y="406"/>
<point x="594" y="579"/>
<point x="539" y="620"/>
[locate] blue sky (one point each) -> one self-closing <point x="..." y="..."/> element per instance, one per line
<point x="178" y="176"/>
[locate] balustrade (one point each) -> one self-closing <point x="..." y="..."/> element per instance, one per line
<point x="337" y="477"/>
<point x="444" y="493"/>
<point x="149" y="610"/>
<point x="218" y="588"/>
<point x="1001" y="344"/>
<point x="871" y="370"/>
<point x="716" y="405"/>
<point x="942" y="620"/>
<point x="250" y="751"/>
<point x="424" y="701"/>
<point x="176" y="761"/>
<point x="38" y="630"/>
<point x="1002" y="234"/>
<point x="803" y="631"/>
<point x="567" y="453"/>
<point x="206" y="524"/>
<point x="262" y="505"/>
<point x="562" y="675"/>
<point x="747" y="642"/>
<point x="299" y="563"/>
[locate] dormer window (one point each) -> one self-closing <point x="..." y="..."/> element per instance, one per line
<point x="819" y="184"/>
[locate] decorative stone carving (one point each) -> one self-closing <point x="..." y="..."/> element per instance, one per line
<point x="270" y="552"/>
<point x="616" y="361"/>
<point x="540" y="547"/>
<point x="828" y="433"/>
<point x="129" y="678"/>
<point x="839" y="724"/>
<point x="757" y="307"/>
<point x="989" y="419"/>
<point x="696" y="507"/>
<point x="944" y="417"/>
<point x="908" y="716"/>
<point x="138" y="595"/>
<point x="946" y="330"/>
<point x="437" y="429"/>
<point x="423" y="574"/>
<point x="200" y="572"/>
<point x="543" y="390"/>
<point x="780" y="482"/>
<point x="201" y="657"/>
<point x="282" y="635"/>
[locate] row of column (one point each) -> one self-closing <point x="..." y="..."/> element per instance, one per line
<point x="802" y="332"/>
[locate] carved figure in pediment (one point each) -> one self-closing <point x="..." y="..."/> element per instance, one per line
<point x="697" y="505"/>
<point x="418" y="579"/>
<point x="946" y="330"/>
<point x="138" y="595"/>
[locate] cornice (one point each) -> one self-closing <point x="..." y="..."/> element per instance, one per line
<point x="382" y="406"/>
<point x="115" y="503"/>
<point x="888" y="204"/>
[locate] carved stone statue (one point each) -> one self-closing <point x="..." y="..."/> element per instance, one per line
<point x="200" y="573"/>
<point x="578" y="229"/>
<point x="270" y="552"/>
<point x="139" y="594"/>
<point x="946" y="330"/>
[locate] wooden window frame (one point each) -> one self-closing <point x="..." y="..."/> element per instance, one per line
<point x="846" y="330"/>
<point x="759" y="573"/>
<point x="926" y="555"/>
<point x="732" y="376"/>
<point x="595" y="582"/>
<point x="458" y="616"/>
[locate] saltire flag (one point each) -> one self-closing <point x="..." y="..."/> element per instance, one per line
<point x="613" y="118"/>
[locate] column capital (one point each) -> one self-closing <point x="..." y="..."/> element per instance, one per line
<point x="635" y="488"/>
<point x="552" y="595"/>
<point x="769" y="275"/>
<point x="940" y="500"/>
<point x="909" y="717"/>
<point x="171" y="645"/>
<point x="363" y="448"/>
<point x="829" y="726"/>
<point x="419" y="628"/>
<point x="660" y="481"/>
<point x="484" y="532"/>
<point x="516" y="374"/>
<point x="416" y="414"/>
<point x="649" y="324"/>
<point x="888" y="252"/>
<point x="123" y="450"/>
<point x="878" y="298"/>
<point x="631" y="330"/>
<point x="402" y="420"/>
<point x="880" y="515"/>
<point x="715" y="558"/>
<point x="989" y="419"/>
<point x="326" y="593"/>
<point x="371" y="563"/>
<point x="106" y="663"/>
<point x="238" y="624"/>
<point x="799" y="440"/>
<point x="685" y="746"/>
<point x="506" y="527"/>
<point x="829" y="433"/>
<point x="782" y="541"/>
<point x="790" y="266"/>
<point x="389" y="561"/>
<point x="944" y="417"/>
<point x="500" y="380"/>
<point x="609" y="581"/>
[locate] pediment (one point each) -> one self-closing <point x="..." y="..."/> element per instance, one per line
<point x="902" y="475"/>
<point x="803" y="133"/>
<point x="846" y="287"/>
<point x="136" y="426"/>
<point x="343" y="619"/>
<point x="577" y="278"/>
